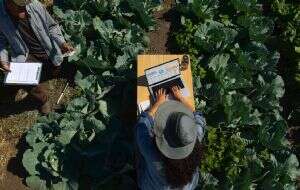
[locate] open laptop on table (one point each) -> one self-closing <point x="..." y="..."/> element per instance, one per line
<point x="165" y="76"/>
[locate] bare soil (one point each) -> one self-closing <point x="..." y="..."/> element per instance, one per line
<point x="15" y="120"/>
<point x="11" y="170"/>
<point x="159" y="37"/>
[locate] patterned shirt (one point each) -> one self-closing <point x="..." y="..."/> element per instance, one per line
<point x="32" y="42"/>
<point x="46" y="30"/>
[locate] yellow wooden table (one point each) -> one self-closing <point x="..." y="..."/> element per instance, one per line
<point x="146" y="61"/>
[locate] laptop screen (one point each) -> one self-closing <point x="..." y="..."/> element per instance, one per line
<point x="162" y="72"/>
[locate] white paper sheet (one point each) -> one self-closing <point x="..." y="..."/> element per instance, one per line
<point x="23" y="74"/>
<point x="144" y="106"/>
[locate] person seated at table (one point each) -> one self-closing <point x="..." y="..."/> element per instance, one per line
<point x="168" y="139"/>
<point x="32" y="35"/>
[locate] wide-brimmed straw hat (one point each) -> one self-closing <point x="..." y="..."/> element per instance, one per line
<point x="21" y="3"/>
<point x="175" y="130"/>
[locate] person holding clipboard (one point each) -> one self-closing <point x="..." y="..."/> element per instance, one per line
<point x="32" y="35"/>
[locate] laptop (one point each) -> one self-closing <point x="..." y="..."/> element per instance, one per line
<point x="165" y="76"/>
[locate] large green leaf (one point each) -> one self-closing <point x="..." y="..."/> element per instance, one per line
<point x="66" y="136"/>
<point x="212" y="36"/>
<point x="31" y="159"/>
<point x="292" y="166"/>
<point x="94" y="123"/>
<point x="219" y="62"/>
<point x="141" y="10"/>
<point x="35" y="183"/>
<point x="259" y="27"/>
<point x="103" y="108"/>
<point x="204" y="9"/>
<point x="239" y="110"/>
<point x="52" y="160"/>
<point x="244" y="5"/>
<point x="78" y="105"/>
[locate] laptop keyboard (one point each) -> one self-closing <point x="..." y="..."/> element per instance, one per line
<point x="168" y="85"/>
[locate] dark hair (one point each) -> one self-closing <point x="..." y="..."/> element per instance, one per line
<point x="181" y="172"/>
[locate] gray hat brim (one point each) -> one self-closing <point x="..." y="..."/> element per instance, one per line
<point x="174" y="153"/>
<point x="160" y="121"/>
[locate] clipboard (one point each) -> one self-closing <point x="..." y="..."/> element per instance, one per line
<point x="23" y="74"/>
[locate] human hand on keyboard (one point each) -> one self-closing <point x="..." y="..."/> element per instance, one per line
<point x="178" y="95"/>
<point x="176" y="90"/>
<point x="160" y="99"/>
<point x="161" y="96"/>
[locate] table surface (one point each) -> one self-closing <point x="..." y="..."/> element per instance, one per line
<point x="147" y="61"/>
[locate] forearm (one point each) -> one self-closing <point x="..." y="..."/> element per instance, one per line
<point x="186" y="103"/>
<point x="161" y="98"/>
<point x="153" y="109"/>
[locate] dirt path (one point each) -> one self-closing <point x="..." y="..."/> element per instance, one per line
<point x="159" y="37"/>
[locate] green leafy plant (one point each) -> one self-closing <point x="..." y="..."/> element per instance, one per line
<point x="67" y="146"/>
<point x="224" y="153"/>
<point x="184" y="39"/>
<point x="107" y="34"/>
<point x="87" y="144"/>
<point x="287" y="33"/>
<point x="240" y="96"/>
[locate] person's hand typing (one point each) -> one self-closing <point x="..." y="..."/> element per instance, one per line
<point x="161" y="96"/>
<point x="178" y="95"/>
<point x="160" y="99"/>
<point x="4" y="66"/>
<point x="177" y="92"/>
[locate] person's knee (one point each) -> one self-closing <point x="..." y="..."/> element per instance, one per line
<point x="40" y="94"/>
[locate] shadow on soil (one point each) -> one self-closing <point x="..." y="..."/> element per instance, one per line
<point x="14" y="108"/>
<point x="173" y="17"/>
<point x="8" y="105"/>
<point x="15" y="164"/>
